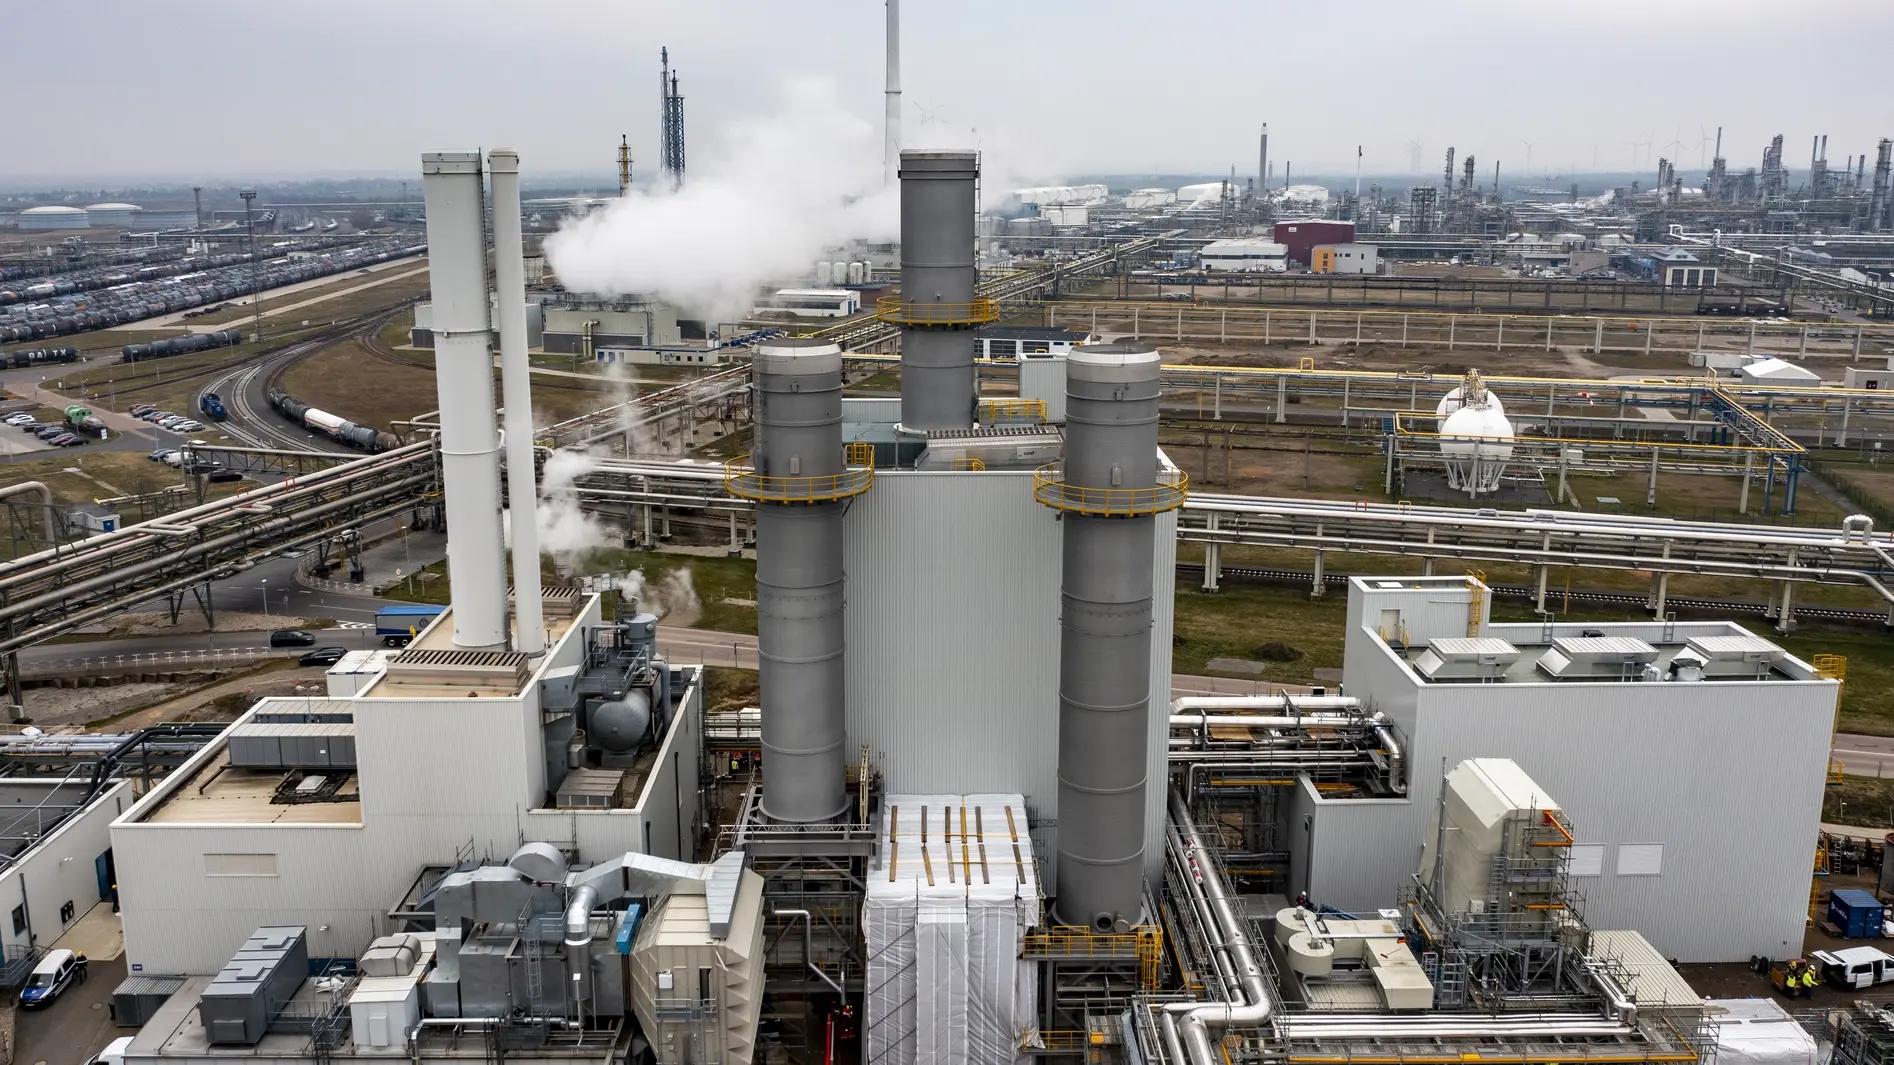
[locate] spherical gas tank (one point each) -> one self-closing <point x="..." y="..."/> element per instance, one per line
<point x="619" y="725"/>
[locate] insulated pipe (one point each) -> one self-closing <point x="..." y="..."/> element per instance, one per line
<point x="46" y="504"/>
<point x="808" y="944"/>
<point x="463" y="379"/>
<point x="938" y="386"/>
<point x="1296" y="703"/>
<point x="579" y="937"/>
<point x="509" y="284"/>
<point x="1105" y="634"/>
<point x="1196" y="1019"/>
<point x="797" y="455"/>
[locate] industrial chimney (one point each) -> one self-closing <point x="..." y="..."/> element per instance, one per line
<point x="463" y="379"/>
<point x="800" y="483"/>
<point x="522" y="489"/>
<point x="1110" y="491"/>
<point x="937" y="311"/>
<point x="1878" y="199"/>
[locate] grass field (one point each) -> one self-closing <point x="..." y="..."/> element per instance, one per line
<point x="349" y="380"/>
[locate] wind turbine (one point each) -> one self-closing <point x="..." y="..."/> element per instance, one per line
<point x="1414" y="149"/>
<point x="928" y="114"/>
<point x="1528" y="145"/>
<point x="1703" y="143"/>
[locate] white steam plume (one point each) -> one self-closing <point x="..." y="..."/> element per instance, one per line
<point x="565" y="530"/>
<point x="757" y="207"/>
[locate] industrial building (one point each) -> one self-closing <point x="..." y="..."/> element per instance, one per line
<point x="983" y="829"/>
<point x="1301" y="237"/>
<point x="421" y="334"/>
<point x="1344" y="259"/>
<point x="1015" y="341"/>
<point x="1239" y="255"/>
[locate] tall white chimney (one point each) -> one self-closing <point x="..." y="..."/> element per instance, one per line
<point x="509" y="284"/>
<point x="463" y="379"/>
<point x="891" y="148"/>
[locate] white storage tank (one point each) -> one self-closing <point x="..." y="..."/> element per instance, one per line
<point x="53" y="217"/>
<point x="857" y="271"/>
<point x="824" y="274"/>
<point x="118" y="215"/>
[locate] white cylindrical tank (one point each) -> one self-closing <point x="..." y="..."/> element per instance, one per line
<point x="1476" y="442"/>
<point x="824" y="274"/>
<point x="1310" y="956"/>
<point x="856" y="272"/>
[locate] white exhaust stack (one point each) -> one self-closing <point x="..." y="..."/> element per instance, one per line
<point x="463" y="380"/>
<point x="509" y="282"/>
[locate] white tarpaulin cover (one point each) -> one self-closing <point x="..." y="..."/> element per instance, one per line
<point x="952" y="891"/>
<point x="1758" y="1031"/>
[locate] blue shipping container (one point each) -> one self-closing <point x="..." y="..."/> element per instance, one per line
<point x="1855" y="912"/>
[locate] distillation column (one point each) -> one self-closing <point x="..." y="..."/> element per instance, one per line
<point x="936" y="310"/>
<point x="470" y="444"/>
<point x="1110" y="491"/>
<point x="800" y="483"/>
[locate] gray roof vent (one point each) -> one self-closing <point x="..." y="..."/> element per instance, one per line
<point x="1735" y="656"/>
<point x="1597" y="658"/>
<point x="1460" y="658"/>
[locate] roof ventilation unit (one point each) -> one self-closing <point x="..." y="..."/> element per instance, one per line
<point x="1597" y="658"/>
<point x="1466" y="658"/>
<point x="1735" y="656"/>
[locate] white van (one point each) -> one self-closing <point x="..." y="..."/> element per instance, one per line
<point x="1854" y="967"/>
<point x="114" y="1052"/>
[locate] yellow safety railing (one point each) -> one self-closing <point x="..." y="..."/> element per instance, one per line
<point x="859" y="453"/>
<point x="969" y="462"/>
<point x="1049" y="487"/>
<point x="740" y="479"/>
<point x="1476" y="605"/>
<point x="1007" y="409"/>
<point x="897" y="311"/>
<point x="1058" y="1040"/>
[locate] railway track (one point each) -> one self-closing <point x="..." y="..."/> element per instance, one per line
<point x="1633" y="600"/>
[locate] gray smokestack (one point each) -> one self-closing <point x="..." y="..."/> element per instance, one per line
<point x="1878" y="201"/>
<point x="937" y="312"/>
<point x="1110" y="492"/>
<point x="799" y="482"/>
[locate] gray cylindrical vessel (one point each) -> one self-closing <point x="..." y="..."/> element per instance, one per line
<point x="937" y="279"/>
<point x="1105" y="633"/>
<point x="797" y="445"/>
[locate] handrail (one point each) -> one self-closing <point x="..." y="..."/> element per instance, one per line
<point x="740" y="479"/>
<point x="1050" y="488"/>
<point x="1006" y="408"/>
<point x="897" y="310"/>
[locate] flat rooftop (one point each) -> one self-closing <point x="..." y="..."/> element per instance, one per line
<point x="219" y="794"/>
<point x="453" y="673"/>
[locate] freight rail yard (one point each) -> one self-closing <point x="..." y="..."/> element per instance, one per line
<point x="1246" y="620"/>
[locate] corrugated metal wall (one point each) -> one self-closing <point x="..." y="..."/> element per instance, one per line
<point x="953" y="640"/>
<point x="1728" y="776"/>
<point x="58" y="868"/>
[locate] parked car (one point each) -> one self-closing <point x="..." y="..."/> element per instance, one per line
<point x="57" y="971"/>
<point x="322" y="656"/>
<point x="159" y="454"/>
<point x="1854" y="967"/>
<point x="173" y="458"/>
<point x="69" y="440"/>
<point x="47" y="432"/>
<point x="20" y="418"/>
<point x="224" y="476"/>
<point x="32" y="427"/>
<point x="139" y="408"/>
<point x="291" y="638"/>
<point x="172" y="423"/>
<point x="190" y="426"/>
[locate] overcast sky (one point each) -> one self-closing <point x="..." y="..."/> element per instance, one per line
<point x="104" y="90"/>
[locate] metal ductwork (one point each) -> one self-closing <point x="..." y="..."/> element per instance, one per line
<point x="469" y="442"/>
<point x="937" y="310"/>
<point x="800" y="483"/>
<point x="1109" y="490"/>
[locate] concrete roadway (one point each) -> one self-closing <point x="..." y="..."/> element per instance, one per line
<point x="77" y="1025"/>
